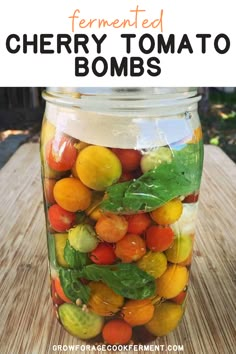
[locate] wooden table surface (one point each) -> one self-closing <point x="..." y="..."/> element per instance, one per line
<point x="27" y="322"/>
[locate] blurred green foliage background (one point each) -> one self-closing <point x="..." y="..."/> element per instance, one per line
<point x="218" y="118"/>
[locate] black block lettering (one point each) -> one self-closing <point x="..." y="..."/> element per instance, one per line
<point x="81" y="63"/>
<point x="8" y="44"/>
<point x="152" y="64"/>
<point x="227" y="43"/>
<point x="136" y="66"/>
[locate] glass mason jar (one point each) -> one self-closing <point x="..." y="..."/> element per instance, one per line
<point x="121" y="171"/>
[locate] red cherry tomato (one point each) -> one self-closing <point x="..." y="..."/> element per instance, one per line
<point x="137" y="173"/>
<point x="126" y="176"/>
<point x="191" y="198"/>
<point x="129" y="158"/>
<point x="129" y="175"/>
<point x="117" y="332"/>
<point x="138" y="223"/>
<point x="159" y="238"/>
<point x="61" y="153"/>
<point x="179" y="299"/>
<point x="60" y="219"/>
<point x="103" y="254"/>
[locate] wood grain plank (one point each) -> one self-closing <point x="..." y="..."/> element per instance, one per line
<point x="28" y="325"/>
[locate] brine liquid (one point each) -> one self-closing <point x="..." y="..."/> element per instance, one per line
<point x="120" y="227"/>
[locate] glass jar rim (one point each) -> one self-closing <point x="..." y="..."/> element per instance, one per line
<point x="123" y="99"/>
<point x="121" y="91"/>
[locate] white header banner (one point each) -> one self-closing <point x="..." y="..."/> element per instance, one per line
<point x="117" y="43"/>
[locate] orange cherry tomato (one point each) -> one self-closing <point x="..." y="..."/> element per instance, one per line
<point x="111" y="227"/>
<point x="55" y="297"/>
<point x="48" y="185"/>
<point x="159" y="239"/>
<point x="61" y="153"/>
<point x="130" y="248"/>
<point x="197" y="136"/>
<point x="60" y="291"/>
<point x="117" y="332"/>
<point x="138" y="312"/>
<point x="71" y="194"/>
<point x="129" y="158"/>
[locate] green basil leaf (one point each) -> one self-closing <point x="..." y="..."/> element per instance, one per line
<point x="72" y="286"/>
<point x="154" y="188"/>
<point x="124" y="279"/>
<point x="74" y="258"/>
